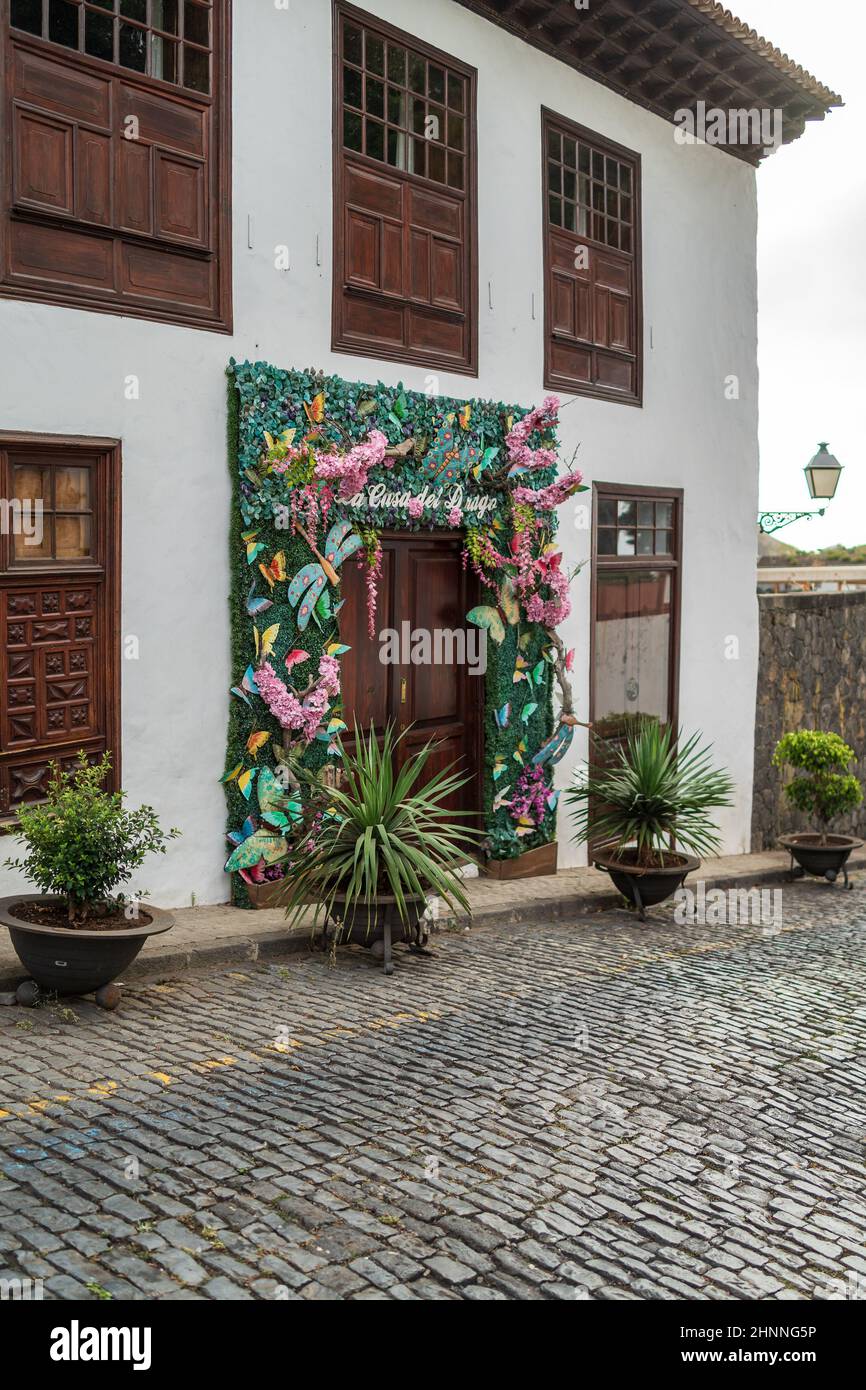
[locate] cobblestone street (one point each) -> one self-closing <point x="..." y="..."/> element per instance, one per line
<point x="603" y="1111"/>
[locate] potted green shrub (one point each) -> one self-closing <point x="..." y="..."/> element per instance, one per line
<point x="654" y="790"/>
<point x="824" y="789"/>
<point x="80" y="845"/>
<point x="375" y="846"/>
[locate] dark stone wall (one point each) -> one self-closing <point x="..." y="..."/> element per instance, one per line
<point x="811" y="675"/>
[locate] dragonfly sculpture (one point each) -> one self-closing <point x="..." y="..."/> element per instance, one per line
<point x="307" y="585"/>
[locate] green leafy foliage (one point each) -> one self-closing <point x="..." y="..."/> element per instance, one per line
<point x="827" y="789"/>
<point x="378" y="833"/>
<point x="82" y="843"/>
<point x="656" y="788"/>
<point x="266" y="398"/>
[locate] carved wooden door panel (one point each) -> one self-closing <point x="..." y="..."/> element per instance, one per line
<point x="59" y="613"/>
<point x="423" y="588"/>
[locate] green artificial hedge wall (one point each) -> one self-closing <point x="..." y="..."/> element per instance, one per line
<point x="266" y="398"/>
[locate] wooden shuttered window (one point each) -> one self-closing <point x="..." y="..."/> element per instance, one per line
<point x="59" y="609"/>
<point x="404" y="198"/>
<point x="592" y="255"/>
<point x="117" y="181"/>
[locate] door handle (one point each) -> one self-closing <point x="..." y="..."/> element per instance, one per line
<point x="403" y="684"/>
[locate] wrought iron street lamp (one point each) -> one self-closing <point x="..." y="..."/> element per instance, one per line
<point x="822" y="477"/>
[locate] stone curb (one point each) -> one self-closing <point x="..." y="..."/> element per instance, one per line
<point x="159" y="959"/>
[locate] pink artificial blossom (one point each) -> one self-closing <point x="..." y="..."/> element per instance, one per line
<point x="455" y="517"/>
<point x="415" y="507"/>
<point x="353" y="468"/>
<point x="301" y="714"/>
<point x="547" y="499"/>
<point x="530" y="797"/>
<point x="544" y="417"/>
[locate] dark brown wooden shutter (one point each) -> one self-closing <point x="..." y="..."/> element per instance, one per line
<point x="404" y="236"/>
<point x="136" y="225"/>
<point x="592" y="265"/>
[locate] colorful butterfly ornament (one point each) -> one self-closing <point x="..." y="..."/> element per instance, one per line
<point x="498" y="768"/>
<point x="245" y="780"/>
<point x="255" y="604"/>
<point x="520" y="752"/>
<point x="309" y="582"/>
<point x="503" y="716"/>
<point x="500" y="799"/>
<point x="257" y="847"/>
<point x="247" y="687"/>
<point x="265" y="642"/>
<point x="254" y="546"/>
<point x="275" y="572"/>
<point x="279" y="809"/>
<point x="447" y="460"/>
<point x="495" y="619"/>
<point x="254" y="845"/>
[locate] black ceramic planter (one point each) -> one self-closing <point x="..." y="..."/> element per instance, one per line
<point x="75" y="962"/>
<point x="378" y="927"/>
<point x="821" y="860"/>
<point x="647" y="887"/>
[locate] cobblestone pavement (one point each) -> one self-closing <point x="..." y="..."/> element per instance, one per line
<point x="604" y="1111"/>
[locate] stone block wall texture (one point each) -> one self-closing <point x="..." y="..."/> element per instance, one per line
<point x="811" y="675"/>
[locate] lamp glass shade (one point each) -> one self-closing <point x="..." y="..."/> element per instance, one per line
<point x="823" y="474"/>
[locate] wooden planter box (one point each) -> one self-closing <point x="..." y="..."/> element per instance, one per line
<point x="265" y="895"/>
<point x="535" y="863"/>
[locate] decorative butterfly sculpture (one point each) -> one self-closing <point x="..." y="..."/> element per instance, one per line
<point x="257" y="846"/>
<point x="265" y="642"/>
<point x="296" y="658"/>
<point x="494" y="619"/>
<point x="244" y="780"/>
<point x="275" y="572"/>
<point x="256" y="742"/>
<point x="247" y="687"/>
<point x="498" y="768"/>
<point x="326" y="609"/>
<point x="254" y="546"/>
<point x="520" y="752"/>
<point x="256" y="605"/>
<point x="311" y="580"/>
<point x="447" y="460"/>
<point x="500" y="799"/>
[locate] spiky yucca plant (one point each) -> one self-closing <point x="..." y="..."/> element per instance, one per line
<point x="655" y="789"/>
<point x="378" y="834"/>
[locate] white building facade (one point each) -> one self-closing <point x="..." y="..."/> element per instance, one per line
<point x="115" y="379"/>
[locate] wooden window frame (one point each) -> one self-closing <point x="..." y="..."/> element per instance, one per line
<point x="106" y="562"/>
<point x="156" y="308"/>
<point x="557" y="381"/>
<point x="670" y="564"/>
<point x="387" y="352"/>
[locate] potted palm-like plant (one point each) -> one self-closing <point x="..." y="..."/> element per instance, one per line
<point x="825" y="790"/>
<point x="373" y="848"/>
<point x="656" y="791"/>
<point x="80" y="845"/>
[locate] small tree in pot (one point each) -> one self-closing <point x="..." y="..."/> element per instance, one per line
<point x="654" y="790"/>
<point x="825" y="790"/>
<point x="372" y="848"/>
<point x="81" y="844"/>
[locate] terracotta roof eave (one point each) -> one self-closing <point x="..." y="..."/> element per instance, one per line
<point x="762" y="48"/>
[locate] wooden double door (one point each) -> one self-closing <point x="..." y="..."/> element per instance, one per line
<point x="423" y="588"/>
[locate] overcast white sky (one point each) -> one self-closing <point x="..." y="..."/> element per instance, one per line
<point x="812" y="280"/>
